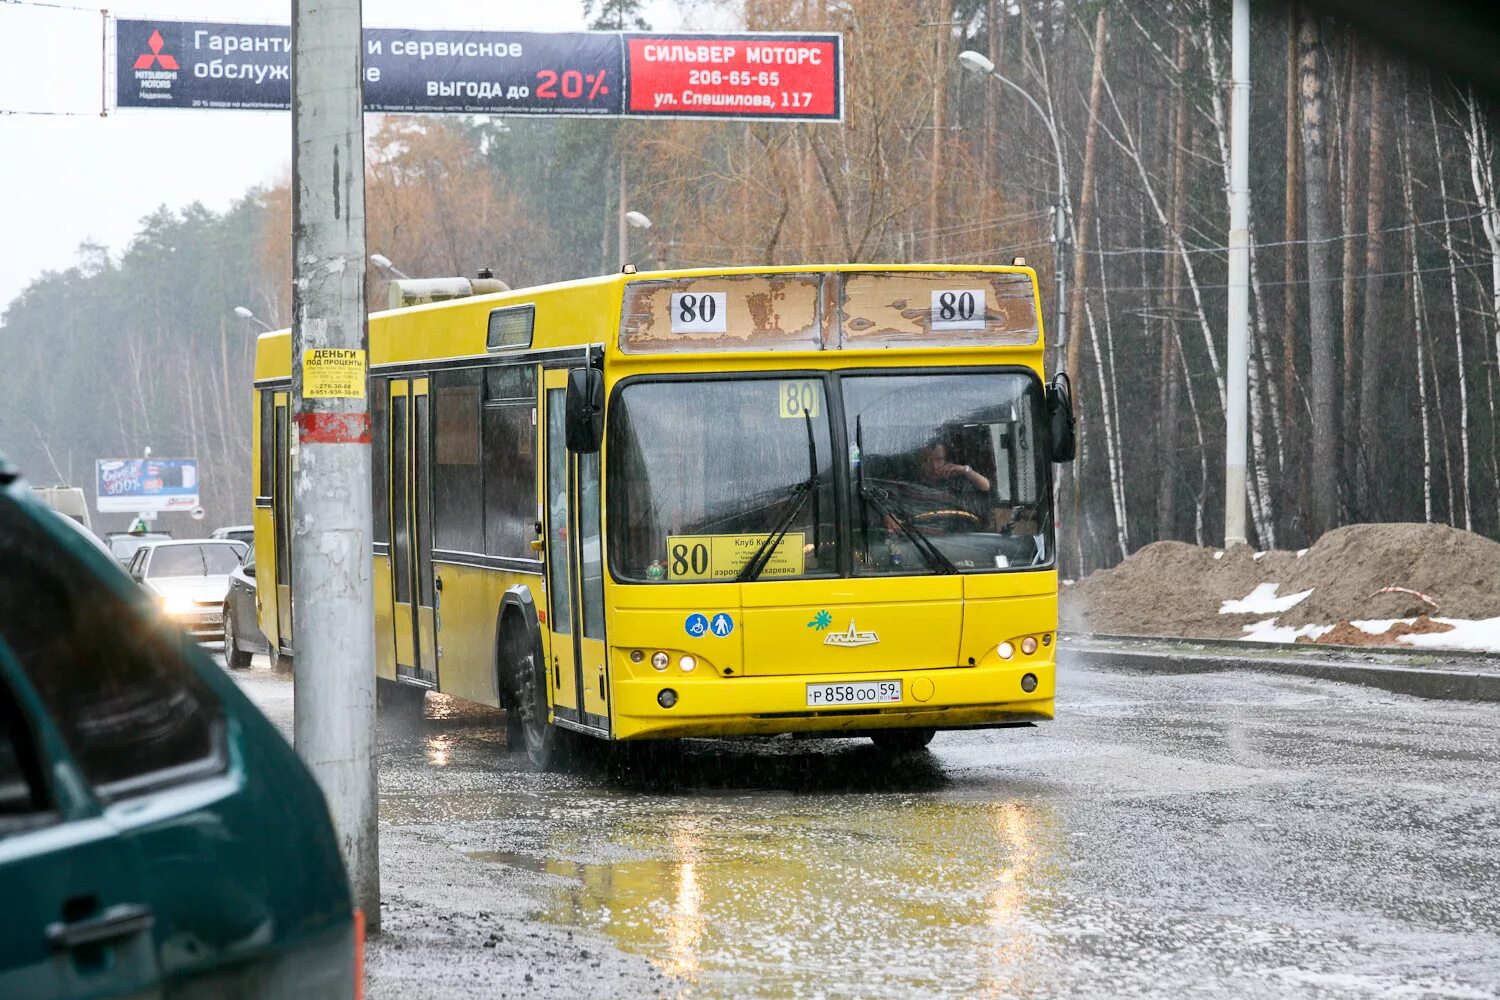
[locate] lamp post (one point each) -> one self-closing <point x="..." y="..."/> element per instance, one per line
<point x="976" y="62"/>
<point x="383" y="262"/>
<point x="244" y="313"/>
<point x="639" y="220"/>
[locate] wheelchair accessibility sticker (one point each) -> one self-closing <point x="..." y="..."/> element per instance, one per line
<point x="698" y="625"/>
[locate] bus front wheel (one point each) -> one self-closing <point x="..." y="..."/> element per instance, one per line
<point x="546" y="745"/>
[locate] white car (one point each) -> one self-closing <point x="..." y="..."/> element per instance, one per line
<point x="189" y="580"/>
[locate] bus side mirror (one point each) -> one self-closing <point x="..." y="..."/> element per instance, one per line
<point x="585" y="410"/>
<point x="1061" y="427"/>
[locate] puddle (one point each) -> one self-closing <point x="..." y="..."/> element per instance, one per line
<point x="870" y="896"/>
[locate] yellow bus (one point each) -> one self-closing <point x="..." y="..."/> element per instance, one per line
<point x="709" y="502"/>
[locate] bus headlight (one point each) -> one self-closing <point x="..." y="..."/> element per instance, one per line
<point x="1028" y="645"/>
<point x="1006" y="650"/>
<point x="688" y="664"/>
<point x="660" y="660"/>
<point x="666" y="698"/>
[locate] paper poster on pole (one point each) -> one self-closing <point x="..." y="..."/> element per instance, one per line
<point x="333" y="373"/>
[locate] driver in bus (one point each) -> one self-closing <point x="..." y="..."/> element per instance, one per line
<point x="944" y="495"/>
<point x="935" y="470"/>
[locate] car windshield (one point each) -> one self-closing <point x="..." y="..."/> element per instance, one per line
<point x="208" y="559"/>
<point x="702" y="472"/>
<point x="125" y="546"/>
<point x="947" y="472"/>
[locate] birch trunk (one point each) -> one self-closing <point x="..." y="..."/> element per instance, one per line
<point x="1320" y="308"/>
<point x="1167" y="391"/>
<point x="1370" y="432"/>
<point x="1290" y="228"/>
<point x="1087" y="185"/>
<point x="1482" y="174"/>
<point x="1419" y="313"/>
<point x="1458" y="326"/>
<point x="1349" y="420"/>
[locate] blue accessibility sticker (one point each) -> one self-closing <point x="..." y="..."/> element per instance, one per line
<point x="721" y="625"/>
<point x="696" y="625"/>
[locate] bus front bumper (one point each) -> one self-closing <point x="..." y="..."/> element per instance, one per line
<point x="952" y="697"/>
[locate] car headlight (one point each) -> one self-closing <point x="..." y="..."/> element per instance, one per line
<point x="177" y="604"/>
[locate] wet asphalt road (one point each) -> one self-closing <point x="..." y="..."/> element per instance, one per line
<point x="1216" y="835"/>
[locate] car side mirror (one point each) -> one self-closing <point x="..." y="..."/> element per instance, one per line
<point x="248" y="570"/>
<point x="584" y="414"/>
<point x="1062" y="439"/>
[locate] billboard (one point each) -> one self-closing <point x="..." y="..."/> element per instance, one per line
<point x="137" y="485"/>
<point x="769" y="76"/>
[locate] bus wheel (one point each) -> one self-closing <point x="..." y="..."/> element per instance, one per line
<point x="546" y="745"/>
<point x="234" y="657"/>
<point x="515" y="729"/>
<point x="903" y="740"/>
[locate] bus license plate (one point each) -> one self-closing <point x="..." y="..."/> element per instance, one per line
<point x="842" y="693"/>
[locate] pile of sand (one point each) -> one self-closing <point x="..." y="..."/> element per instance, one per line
<point x="1172" y="588"/>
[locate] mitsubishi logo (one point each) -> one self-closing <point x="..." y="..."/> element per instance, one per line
<point x="851" y="638"/>
<point x="145" y="60"/>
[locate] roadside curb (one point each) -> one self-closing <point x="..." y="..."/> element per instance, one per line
<point x="1451" y="685"/>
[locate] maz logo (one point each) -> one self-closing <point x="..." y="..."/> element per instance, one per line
<point x="851" y="638"/>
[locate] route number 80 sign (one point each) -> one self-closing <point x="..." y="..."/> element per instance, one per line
<point x="700" y="312"/>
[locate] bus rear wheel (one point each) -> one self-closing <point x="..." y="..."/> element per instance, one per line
<point x="903" y="740"/>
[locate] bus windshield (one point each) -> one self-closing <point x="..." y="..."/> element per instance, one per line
<point x="944" y="474"/>
<point x="947" y="472"/>
<point x="701" y="473"/>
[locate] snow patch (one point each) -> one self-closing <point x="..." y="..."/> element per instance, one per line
<point x="1269" y="631"/>
<point x="1301" y="553"/>
<point x="1218" y="555"/>
<point x="1258" y="556"/>
<point x="1263" y="601"/>
<point x="1483" y="634"/>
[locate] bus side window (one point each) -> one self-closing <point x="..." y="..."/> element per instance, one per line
<point x="509" y="444"/>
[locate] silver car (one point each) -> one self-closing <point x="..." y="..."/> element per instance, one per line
<point x="189" y="580"/>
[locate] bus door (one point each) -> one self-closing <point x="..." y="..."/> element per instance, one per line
<point x="576" y="657"/>
<point x="590" y="597"/>
<point x="413" y="595"/>
<point x="281" y="514"/>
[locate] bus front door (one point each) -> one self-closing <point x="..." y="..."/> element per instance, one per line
<point x="413" y="595"/>
<point x="281" y="514"/>
<point x="565" y="673"/>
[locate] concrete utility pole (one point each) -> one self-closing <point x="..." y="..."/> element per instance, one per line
<point x="333" y="631"/>
<point x="1239" y="276"/>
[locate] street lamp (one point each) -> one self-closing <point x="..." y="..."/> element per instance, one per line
<point x="383" y="262"/>
<point x="976" y="62"/>
<point x="244" y="313"/>
<point x="639" y="220"/>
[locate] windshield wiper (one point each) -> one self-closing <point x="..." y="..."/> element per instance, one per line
<point x="881" y="500"/>
<point x="810" y="486"/>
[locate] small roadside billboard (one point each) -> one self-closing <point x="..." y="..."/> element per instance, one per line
<point x="135" y="485"/>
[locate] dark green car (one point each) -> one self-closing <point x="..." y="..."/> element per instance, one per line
<point x="158" y="837"/>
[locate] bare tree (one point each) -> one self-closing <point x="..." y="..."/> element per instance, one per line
<point x="1320" y="308"/>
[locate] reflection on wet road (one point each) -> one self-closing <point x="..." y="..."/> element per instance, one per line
<point x="1212" y="835"/>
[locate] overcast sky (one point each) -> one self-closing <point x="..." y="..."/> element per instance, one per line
<point x="77" y="177"/>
